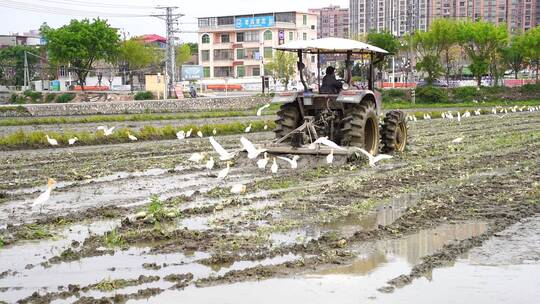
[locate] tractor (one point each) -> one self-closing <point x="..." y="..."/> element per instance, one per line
<point x="350" y="117"/>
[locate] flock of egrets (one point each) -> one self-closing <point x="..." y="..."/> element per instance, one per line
<point x="254" y="152"/>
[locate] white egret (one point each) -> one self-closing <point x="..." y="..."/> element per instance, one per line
<point x="223" y="154"/>
<point x="106" y="131"/>
<point x="131" y="137"/>
<point x="44" y="197"/>
<point x="293" y="162"/>
<point x="214" y="131"/>
<point x="210" y="164"/>
<point x="51" y="141"/>
<point x="457" y="140"/>
<point x="477" y="112"/>
<point x="197" y="157"/>
<point x="200" y="134"/>
<point x="72" y="141"/>
<point x="330" y="157"/>
<point x="181" y="134"/>
<point x="467" y="114"/>
<point x="188" y="133"/>
<point x="274" y="167"/>
<point x="324" y="141"/>
<point x="224" y="172"/>
<point x="265" y="127"/>
<point x="494" y="110"/>
<point x="261" y="163"/>
<point x="248" y="129"/>
<point x="238" y="189"/>
<point x="459" y="117"/>
<point x="259" y="111"/>
<point x="449" y="115"/>
<point x="373" y="159"/>
<point x="252" y="151"/>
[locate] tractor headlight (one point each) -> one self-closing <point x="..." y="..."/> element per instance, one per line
<point x="345" y="86"/>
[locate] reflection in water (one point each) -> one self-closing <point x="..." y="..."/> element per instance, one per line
<point x="411" y="248"/>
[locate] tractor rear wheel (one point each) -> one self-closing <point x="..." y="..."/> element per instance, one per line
<point x="288" y="116"/>
<point x="360" y="127"/>
<point x="394" y="132"/>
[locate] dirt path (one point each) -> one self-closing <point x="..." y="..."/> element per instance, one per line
<point x="318" y="228"/>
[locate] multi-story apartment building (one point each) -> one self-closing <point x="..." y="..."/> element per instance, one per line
<point x="333" y="21"/>
<point x="404" y="16"/>
<point x="239" y="46"/>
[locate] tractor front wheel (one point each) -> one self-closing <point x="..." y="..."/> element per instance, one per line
<point x="394" y="132"/>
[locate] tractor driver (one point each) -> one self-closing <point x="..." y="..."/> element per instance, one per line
<point x="330" y="85"/>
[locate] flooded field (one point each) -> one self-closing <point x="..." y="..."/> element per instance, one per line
<point x="139" y="222"/>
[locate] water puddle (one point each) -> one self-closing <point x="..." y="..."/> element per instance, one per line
<point x="376" y="263"/>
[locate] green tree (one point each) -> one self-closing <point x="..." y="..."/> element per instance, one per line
<point x="12" y="64"/>
<point x="429" y="49"/>
<point x="481" y="41"/>
<point x="135" y="55"/>
<point x="194" y="48"/>
<point x="532" y="47"/>
<point x="80" y="44"/>
<point x="444" y="33"/>
<point x="282" y="67"/>
<point x="182" y="54"/>
<point x="513" y="55"/>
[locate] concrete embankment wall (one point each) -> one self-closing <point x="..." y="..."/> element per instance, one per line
<point x="133" y="107"/>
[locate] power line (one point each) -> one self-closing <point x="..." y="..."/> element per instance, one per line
<point x="62" y="11"/>
<point x="97" y="4"/>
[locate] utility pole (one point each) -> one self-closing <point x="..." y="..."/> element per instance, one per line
<point x="26" y="72"/>
<point x="171" y="19"/>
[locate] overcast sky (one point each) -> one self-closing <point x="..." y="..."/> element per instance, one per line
<point x="24" y="15"/>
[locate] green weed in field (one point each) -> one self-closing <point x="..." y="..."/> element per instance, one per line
<point x="114" y="239"/>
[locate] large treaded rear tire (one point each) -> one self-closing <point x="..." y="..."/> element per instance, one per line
<point x="360" y="127"/>
<point x="288" y="116"/>
<point x="394" y="132"/>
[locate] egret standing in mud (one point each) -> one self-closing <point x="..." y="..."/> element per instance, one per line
<point x="293" y="162"/>
<point x="188" y="133"/>
<point x="248" y="129"/>
<point x="131" y="137"/>
<point x="330" y="157"/>
<point x="223" y="154"/>
<point x="197" y="157"/>
<point x="252" y="151"/>
<point x="457" y="140"/>
<point x="373" y="159"/>
<point x="214" y="132"/>
<point x="265" y="127"/>
<point x="210" y="164"/>
<point x="261" y="163"/>
<point x="51" y="141"/>
<point x="238" y="189"/>
<point x="72" y="141"/>
<point x="44" y="197"/>
<point x="224" y="172"/>
<point x="259" y="111"/>
<point x="180" y="135"/>
<point x="200" y="134"/>
<point x="274" y="167"/>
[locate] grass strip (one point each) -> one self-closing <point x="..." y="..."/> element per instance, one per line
<point x="126" y="117"/>
<point x="37" y="139"/>
<point x="408" y="105"/>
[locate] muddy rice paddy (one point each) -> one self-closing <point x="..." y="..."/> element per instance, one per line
<point x="138" y="222"/>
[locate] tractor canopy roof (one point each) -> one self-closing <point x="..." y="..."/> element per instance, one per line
<point x="330" y="46"/>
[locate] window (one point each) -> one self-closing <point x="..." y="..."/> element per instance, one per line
<point x="225" y="21"/>
<point x="256" y="71"/>
<point x="304" y="36"/>
<point x="251" y="53"/>
<point x="285" y="17"/>
<point x="268" y="52"/>
<point x="205" y="38"/>
<point x="252" y="36"/>
<point x="240" y="71"/>
<point x="239" y="37"/>
<point x="291" y="35"/>
<point x="268" y="35"/>
<point x="222" y="71"/>
<point x="223" y="54"/>
<point x="304" y="19"/>
<point x="206" y="72"/>
<point x="240" y="54"/>
<point x="205" y="55"/>
<point x="225" y="38"/>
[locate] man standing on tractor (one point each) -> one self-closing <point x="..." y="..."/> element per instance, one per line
<point x="330" y="85"/>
